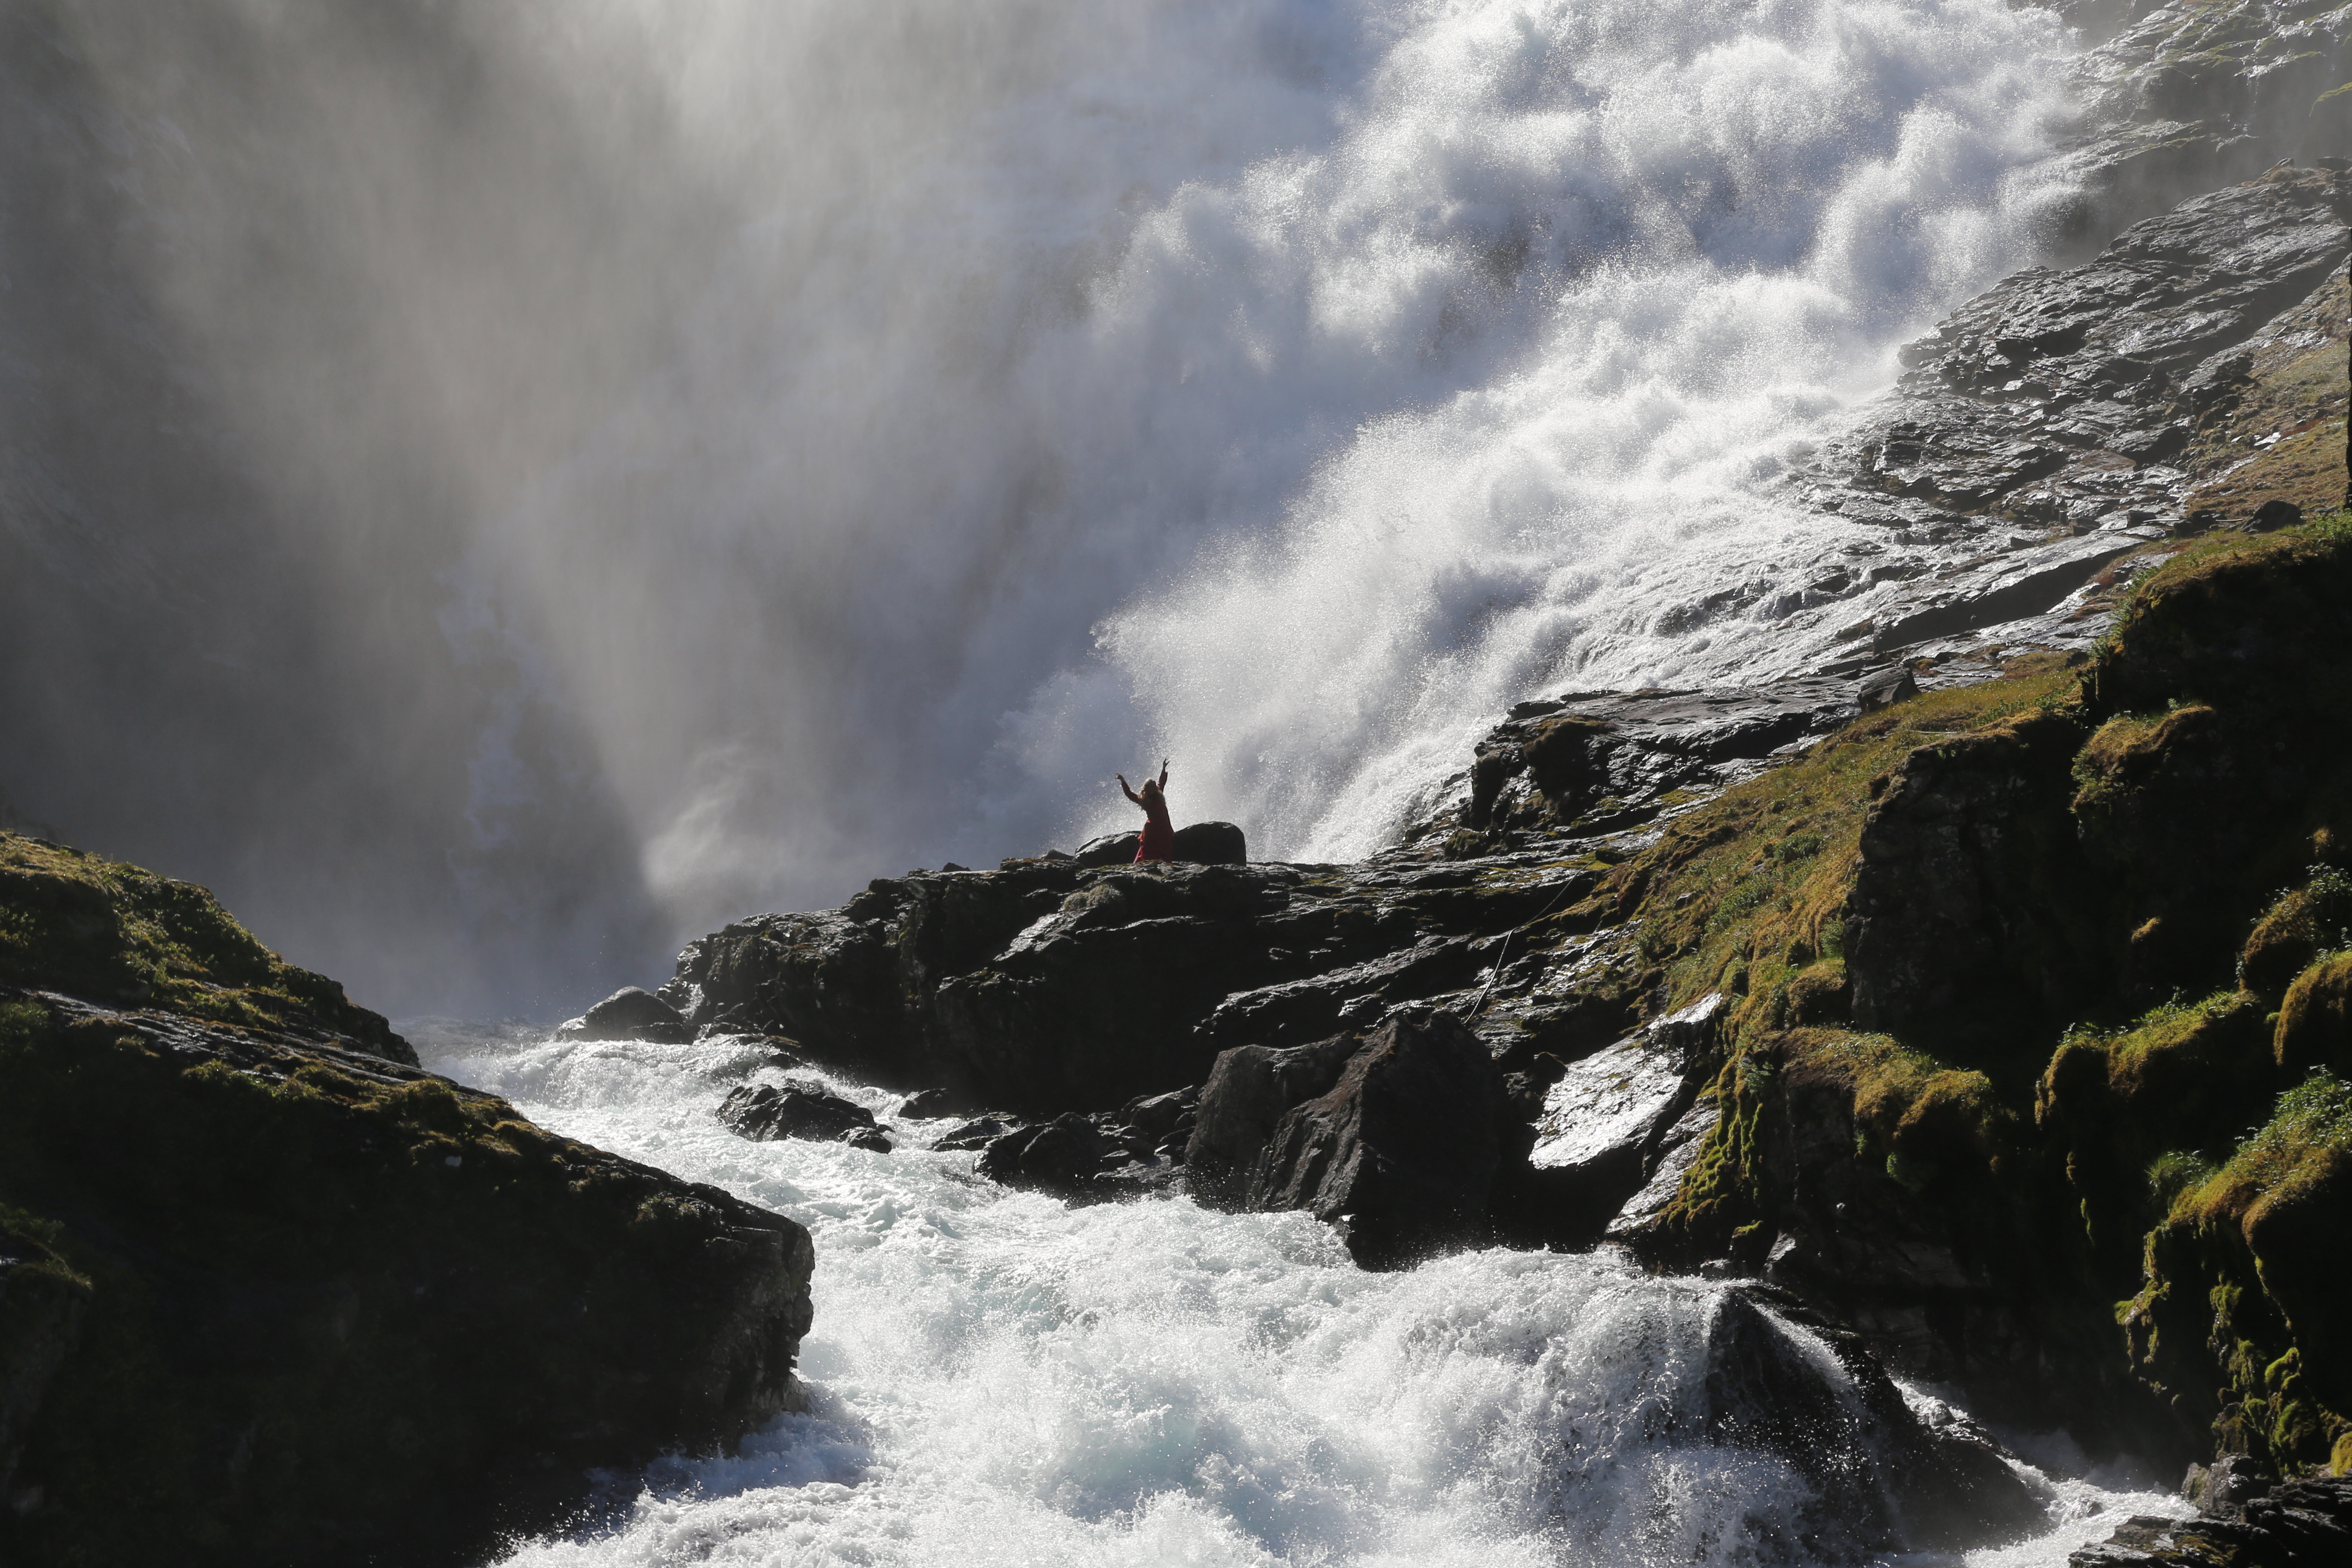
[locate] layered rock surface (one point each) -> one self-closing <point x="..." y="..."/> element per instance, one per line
<point x="264" y="1284"/>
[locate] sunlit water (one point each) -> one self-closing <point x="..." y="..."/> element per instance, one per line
<point x="1001" y="1378"/>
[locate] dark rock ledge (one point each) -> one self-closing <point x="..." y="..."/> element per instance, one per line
<point x="269" y="1293"/>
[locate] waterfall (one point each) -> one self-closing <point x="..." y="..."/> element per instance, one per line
<point x="560" y="478"/>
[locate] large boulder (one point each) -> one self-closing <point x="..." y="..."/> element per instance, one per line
<point x="1247" y="1094"/>
<point x="323" y="1285"/>
<point x="630" y="1014"/>
<point x="1883" y="1479"/>
<point x="1197" y="843"/>
<point x="769" y="1111"/>
<point x="1402" y="1151"/>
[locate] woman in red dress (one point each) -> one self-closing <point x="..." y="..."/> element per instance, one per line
<point x="1159" y="841"/>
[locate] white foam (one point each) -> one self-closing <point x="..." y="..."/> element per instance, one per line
<point x="1004" y="1379"/>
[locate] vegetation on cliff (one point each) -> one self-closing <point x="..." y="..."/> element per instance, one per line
<point x="2045" y="980"/>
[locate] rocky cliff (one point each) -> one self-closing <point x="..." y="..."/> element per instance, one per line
<point x="1979" y="989"/>
<point x="266" y="1287"/>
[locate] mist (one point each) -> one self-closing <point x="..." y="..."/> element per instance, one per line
<point x="495" y="490"/>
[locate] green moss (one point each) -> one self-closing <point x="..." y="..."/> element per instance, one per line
<point x="110" y="932"/>
<point x="2293" y="932"/>
<point x="2314" y="1020"/>
<point x="2225" y="619"/>
<point x="1757" y="877"/>
<point x="2247" y="1282"/>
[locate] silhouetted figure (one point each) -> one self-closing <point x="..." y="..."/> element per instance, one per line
<point x="1159" y="841"/>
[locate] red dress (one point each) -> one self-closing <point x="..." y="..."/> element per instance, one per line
<point x="1159" y="841"/>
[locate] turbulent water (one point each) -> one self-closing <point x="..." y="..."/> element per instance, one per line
<point x="554" y="478"/>
<point x="999" y="1378"/>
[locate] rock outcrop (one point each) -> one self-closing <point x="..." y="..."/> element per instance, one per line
<point x="766" y="1112"/>
<point x="1883" y="1478"/>
<point x="1400" y="1153"/>
<point x="267" y="1284"/>
<point x="117" y="934"/>
<point x="630" y="1014"/>
<point x="2283" y="1526"/>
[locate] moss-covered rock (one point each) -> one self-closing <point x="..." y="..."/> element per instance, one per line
<point x="273" y="1296"/>
<point x="2293" y="932"/>
<point x="2314" y="1022"/>
<point x="112" y="932"/>
<point x="2018" y="887"/>
<point x="2241" y="1319"/>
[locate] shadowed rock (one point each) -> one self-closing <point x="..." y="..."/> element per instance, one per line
<point x="1882" y="1477"/>
<point x="1401" y="1153"/>
<point x="766" y="1112"/>
<point x="630" y="1014"/>
<point x="1249" y="1091"/>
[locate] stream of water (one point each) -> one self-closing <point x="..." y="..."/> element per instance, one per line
<point x="1000" y="1378"/>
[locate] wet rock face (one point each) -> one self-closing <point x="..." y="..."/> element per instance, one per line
<point x="1138" y="1149"/>
<point x="1600" y="762"/>
<point x="1619" y="1121"/>
<point x="630" y="1014"/>
<point x="2189" y="374"/>
<point x="769" y="1111"/>
<point x="2284" y="1526"/>
<point x="2185" y="97"/>
<point x="1884" y="1479"/>
<point x="1401" y="1153"/>
<point x="419" y="1294"/>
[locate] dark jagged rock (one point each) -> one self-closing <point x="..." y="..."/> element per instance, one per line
<point x="768" y="1111"/>
<point x="929" y="1102"/>
<point x="977" y="1134"/>
<point x="1246" y="1096"/>
<point x="1091" y="1158"/>
<point x="1402" y="1151"/>
<point x="327" y="1284"/>
<point x="630" y="1014"/>
<point x="2290" y="1525"/>
<point x="1048" y="987"/>
<point x="1882" y="1477"/>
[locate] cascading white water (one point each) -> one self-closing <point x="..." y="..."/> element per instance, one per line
<point x="1002" y="1379"/>
<point x="712" y="453"/>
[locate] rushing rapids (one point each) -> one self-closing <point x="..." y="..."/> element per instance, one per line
<point x="999" y="1378"/>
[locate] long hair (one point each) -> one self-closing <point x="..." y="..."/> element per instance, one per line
<point x="1150" y="790"/>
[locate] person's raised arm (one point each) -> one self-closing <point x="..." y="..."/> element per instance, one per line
<point x="1163" y="772"/>
<point x="1125" y="791"/>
